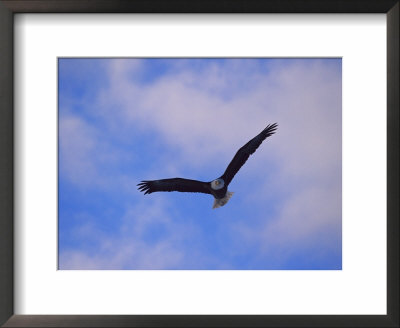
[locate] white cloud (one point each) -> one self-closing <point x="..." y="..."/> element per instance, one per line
<point x="77" y="143"/>
<point x="127" y="247"/>
<point x="87" y="160"/>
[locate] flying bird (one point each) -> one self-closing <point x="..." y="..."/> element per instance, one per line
<point x="218" y="187"/>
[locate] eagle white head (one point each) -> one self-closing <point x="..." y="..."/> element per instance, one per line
<point x="217" y="184"/>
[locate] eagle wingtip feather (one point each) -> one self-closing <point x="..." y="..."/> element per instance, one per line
<point x="271" y="128"/>
<point x="144" y="186"/>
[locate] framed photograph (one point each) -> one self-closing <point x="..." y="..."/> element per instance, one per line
<point x="202" y="164"/>
<point x="155" y="130"/>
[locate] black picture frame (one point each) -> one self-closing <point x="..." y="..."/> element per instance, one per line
<point x="10" y="7"/>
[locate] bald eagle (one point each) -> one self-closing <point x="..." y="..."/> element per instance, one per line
<point x="218" y="187"/>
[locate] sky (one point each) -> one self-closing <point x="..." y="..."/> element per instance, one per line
<point x="123" y="120"/>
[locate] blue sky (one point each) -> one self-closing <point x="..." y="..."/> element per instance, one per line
<point x="126" y="120"/>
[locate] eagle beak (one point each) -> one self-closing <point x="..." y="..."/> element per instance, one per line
<point x="217" y="182"/>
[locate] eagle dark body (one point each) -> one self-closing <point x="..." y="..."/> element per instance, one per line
<point x="219" y="194"/>
<point x="218" y="187"/>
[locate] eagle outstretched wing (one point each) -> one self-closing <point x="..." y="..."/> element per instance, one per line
<point x="244" y="153"/>
<point x="175" y="184"/>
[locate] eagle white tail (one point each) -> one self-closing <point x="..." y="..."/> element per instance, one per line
<point x="222" y="201"/>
